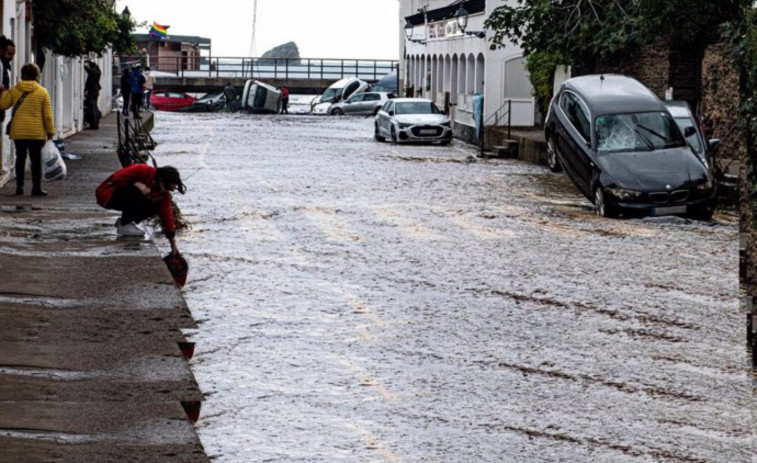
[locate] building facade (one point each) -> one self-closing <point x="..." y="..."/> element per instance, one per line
<point x="174" y="53"/>
<point x="443" y="63"/>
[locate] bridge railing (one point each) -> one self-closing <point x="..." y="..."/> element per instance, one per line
<point x="273" y="68"/>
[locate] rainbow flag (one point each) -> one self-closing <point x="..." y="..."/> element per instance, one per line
<point x="158" y="31"/>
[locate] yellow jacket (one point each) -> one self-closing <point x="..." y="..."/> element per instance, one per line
<point x="34" y="119"/>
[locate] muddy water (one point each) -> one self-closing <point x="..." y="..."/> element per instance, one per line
<point x="362" y="302"/>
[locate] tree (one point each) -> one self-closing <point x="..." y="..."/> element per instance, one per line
<point x="79" y="27"/>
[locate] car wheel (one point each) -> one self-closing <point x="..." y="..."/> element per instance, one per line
<point x="337" y="112"/>
<point x="376" y="134"/>
<point x="601" y="207"/>
<point x="552" y="162"/>
<point x="445" y="143"/>
<point x="394" y="136"/>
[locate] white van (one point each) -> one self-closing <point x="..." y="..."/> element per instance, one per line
<point x="338" y="91"/>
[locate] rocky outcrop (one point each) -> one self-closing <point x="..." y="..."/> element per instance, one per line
<point x="288" y="50"/>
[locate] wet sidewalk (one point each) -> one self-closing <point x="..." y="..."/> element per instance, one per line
<point x="91" y="362"/>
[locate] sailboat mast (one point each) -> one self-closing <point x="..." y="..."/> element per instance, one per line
<point x="253" y="51"/>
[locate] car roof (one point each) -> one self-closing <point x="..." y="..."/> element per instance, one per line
<point x="614" y="94"/>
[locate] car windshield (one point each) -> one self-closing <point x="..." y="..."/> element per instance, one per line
<point x="416" y="107"/>
<point x="693" y="140"/>
<point x="637" y="132"/>
<point x="330" y="94"/>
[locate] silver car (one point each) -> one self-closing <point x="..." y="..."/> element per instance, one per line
<point x="367" y="103"/>
<point x="412" y="120"/>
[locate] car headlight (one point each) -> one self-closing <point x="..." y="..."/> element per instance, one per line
<point x="405" y="126"/>
<point x="624" y="195"/>
<point x="706" y="186"/>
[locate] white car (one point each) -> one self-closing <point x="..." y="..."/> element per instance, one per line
<point x="338" y="91"/>
<point x="412" y="120"/>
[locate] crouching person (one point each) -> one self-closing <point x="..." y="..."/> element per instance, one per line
<point x="140" y="192"/>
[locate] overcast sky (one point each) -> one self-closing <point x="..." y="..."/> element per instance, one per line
<point x="321" y="28"/>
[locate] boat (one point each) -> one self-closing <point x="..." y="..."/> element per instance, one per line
<point x="259" y="97"/>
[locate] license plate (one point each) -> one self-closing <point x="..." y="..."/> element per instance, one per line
<point x="669" y="210"/>
<point x="428" y="132"/>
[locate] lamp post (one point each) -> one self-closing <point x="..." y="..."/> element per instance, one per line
<point x="409" y="32"/>
<point x="461" y="15"/>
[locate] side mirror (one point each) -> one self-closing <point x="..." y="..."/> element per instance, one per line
<point x="689" y="131"/>
<point x="713" y="143"/>
<point x="391" y="113"/>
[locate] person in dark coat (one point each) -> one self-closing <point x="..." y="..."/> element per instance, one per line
<point x="7" y="52"/>
<point x="137" y="89"/>
<point x="126" y="89"/>
<point x="91" y="94"/>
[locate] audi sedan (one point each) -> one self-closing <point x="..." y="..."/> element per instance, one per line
<point x="412" y="120"/>
<point x="623" y="150"/>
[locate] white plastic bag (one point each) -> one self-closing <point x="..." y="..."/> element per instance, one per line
<point x="53" y="167"/>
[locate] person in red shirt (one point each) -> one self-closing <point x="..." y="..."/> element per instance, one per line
<point x="140" y="191"/>
<point x="285" y="100"/>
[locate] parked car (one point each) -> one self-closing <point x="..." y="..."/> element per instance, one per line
<point x="168" y="100"/>
<point x="685" y="118"/>
<point x="338" y="91"/>
<point x="361" y="104"/>
<point x="622" y="149"/>
<point x="259" y="97"/>
<point x="210" y="102"/>
<point x="412" y="120"/>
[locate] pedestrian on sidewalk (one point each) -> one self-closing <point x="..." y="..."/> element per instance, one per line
<point x="126" y="89"/>
<point x="149" y="85"/>
<point x="140" y="191"/>
<point x="31" y="124"/>
<point x="7" y="52"/>
<point x="92" y="94"/>
<point x="137" y="87"/>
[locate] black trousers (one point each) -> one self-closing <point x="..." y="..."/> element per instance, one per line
<point x="136" y="103"/>
<point x="34" y="149"/>
<point x="133" y="204"/>
<point x="127" y="101"/>
<point x="91" y="115"/>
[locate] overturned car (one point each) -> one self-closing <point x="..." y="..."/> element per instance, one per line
<point x="622" y="149"/>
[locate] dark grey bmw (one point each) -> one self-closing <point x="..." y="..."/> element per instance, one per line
<point x="623" y="150"/>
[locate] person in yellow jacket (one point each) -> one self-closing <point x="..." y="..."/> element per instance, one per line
<point x="30" y="125"/>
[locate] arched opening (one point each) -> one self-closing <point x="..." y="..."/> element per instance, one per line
<point x="470" y="76"/>
<point x="480" y="73"/>
<point x="454" y="78"/>
<point x="461" y="78"/>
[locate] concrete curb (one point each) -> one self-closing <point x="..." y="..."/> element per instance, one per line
<point x="91" y="367"/>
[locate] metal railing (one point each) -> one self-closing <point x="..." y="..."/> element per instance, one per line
<point x="273" y="68"/>
<point x="134" y="141"/>
<point x="496" y="116"/>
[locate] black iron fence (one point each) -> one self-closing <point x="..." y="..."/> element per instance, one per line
<point x="272" y="68"/>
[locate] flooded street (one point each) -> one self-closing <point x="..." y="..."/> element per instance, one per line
<point x="363" y="302"/>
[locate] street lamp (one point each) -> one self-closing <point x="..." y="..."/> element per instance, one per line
<point x="409" y="32"/>
<point x="462" y="22"/>
<point x="126" y="13"/>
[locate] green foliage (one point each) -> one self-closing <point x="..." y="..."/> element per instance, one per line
<point x="541" y="70"/>
<point x="586" y="31"/>
<point x="81" y="27"/>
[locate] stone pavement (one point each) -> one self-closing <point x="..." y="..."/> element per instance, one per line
<point x="91" y="368"/>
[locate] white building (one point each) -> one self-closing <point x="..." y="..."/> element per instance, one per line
<point x="62" y="77"/>
<point x="447" y="65"/>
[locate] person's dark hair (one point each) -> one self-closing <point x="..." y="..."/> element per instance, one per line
<point x="147" y="68"/>
<point x="168" y="175"/>
<point x="30" y="71"/>
<point x="8" y="43"/>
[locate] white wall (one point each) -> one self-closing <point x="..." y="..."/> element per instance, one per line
<point x="469" y="70"/>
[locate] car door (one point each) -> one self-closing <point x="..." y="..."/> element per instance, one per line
<point x="352" y="105"/>
<point x="370" y="103"/>
<point x="574" y="138"/>
<point x="383" y="117"/>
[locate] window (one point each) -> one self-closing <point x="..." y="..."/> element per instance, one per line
<point x="577" y="114"/>
<point x="351" y="88"/>
<point x="372" y="97"/>
<point x="356" y="98"/>
<point x="637" y="132"/>
<point x="388" y="106"/>
<point x="417" y="107"/>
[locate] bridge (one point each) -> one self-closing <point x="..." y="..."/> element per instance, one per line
<point x="301" y="75"/>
